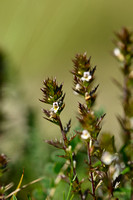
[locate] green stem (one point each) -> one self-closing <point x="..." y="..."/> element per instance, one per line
<point x="69" y="191"/>
<point x="74" y="174"/>
<point x="71" y="158"/>
<point x="72" y="197"/>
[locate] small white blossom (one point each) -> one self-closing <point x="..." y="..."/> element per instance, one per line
<point x="85" y="135"/>
<point x="117" y="184"/>
<point x="90" y="143"/>
<point x="68" y="162"/>
<point x="78" y="86"/>
<point x="86" y="76"/>
<point x="69" y="148"/>
<point x="55" y="107"/>
<point x="52" y="113"/>
<point x="107" y="158"/>
<point x="117" y="171"/>
<point x="92" y="112"/>
<point x="74" y="163"/>
<point x="114" y="172"/>
<point x="118" y="54"/>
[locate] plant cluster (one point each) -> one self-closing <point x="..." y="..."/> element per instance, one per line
<point x="124" y="54"/>
<point x="108" y="170"/>
<point x="87" y="161"/>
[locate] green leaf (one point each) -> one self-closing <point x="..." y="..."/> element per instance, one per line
<point x="55" y="158"/>
<point x="64" y="196"/>
<point x="14" y="197"/>
<point x="126" y="170"/>
<point x="98" y="163"/>
<point x="57" y="167"/>
<point x="123" y="193"/>
<point x="18" y="186"/>
<point x="46" y="183"/>
<point x="49" y="168"/>
<point x="29" y="198"/>
<point x="39" y="194"/>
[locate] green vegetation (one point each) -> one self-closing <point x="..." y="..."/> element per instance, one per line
<point x="87" y="164"/>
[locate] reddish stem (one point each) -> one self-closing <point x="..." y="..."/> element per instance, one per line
<point x="63" y="133"/>
<point x="92" y="180"/>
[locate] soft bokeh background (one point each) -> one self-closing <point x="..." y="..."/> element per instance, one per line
<point x="40" y="38"/>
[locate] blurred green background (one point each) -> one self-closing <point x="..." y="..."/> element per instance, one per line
<point x="39" y="39"/>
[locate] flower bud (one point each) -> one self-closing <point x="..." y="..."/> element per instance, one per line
<point x="118" y="54"/>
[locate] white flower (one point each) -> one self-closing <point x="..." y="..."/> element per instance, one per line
<point x="116" y="171"/>
<point x="85" y="135"/>
<point x="86" y="76"/>
<point x="118" y="54"/>
<point x="117" y="184"/>
<point x="90" y="143"/>
<point x="78" y="86"/>
<point x="74" y="163"/>
<point x="107" y="158"/>
<point x="69" y="148"/>
<point x="55" y="107"/>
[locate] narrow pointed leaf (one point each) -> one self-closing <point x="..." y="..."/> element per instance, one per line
<point x="19" y="185"/>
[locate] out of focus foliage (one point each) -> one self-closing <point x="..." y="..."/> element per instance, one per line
<point x="29" y="152"/>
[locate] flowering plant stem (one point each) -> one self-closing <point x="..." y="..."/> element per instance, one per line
<point x="124" y="45"/>
<point x="70" y="188"/>
<point x="63" y="133"/>
<point x="73" y="169"/>
<point x="92" y="180"/>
